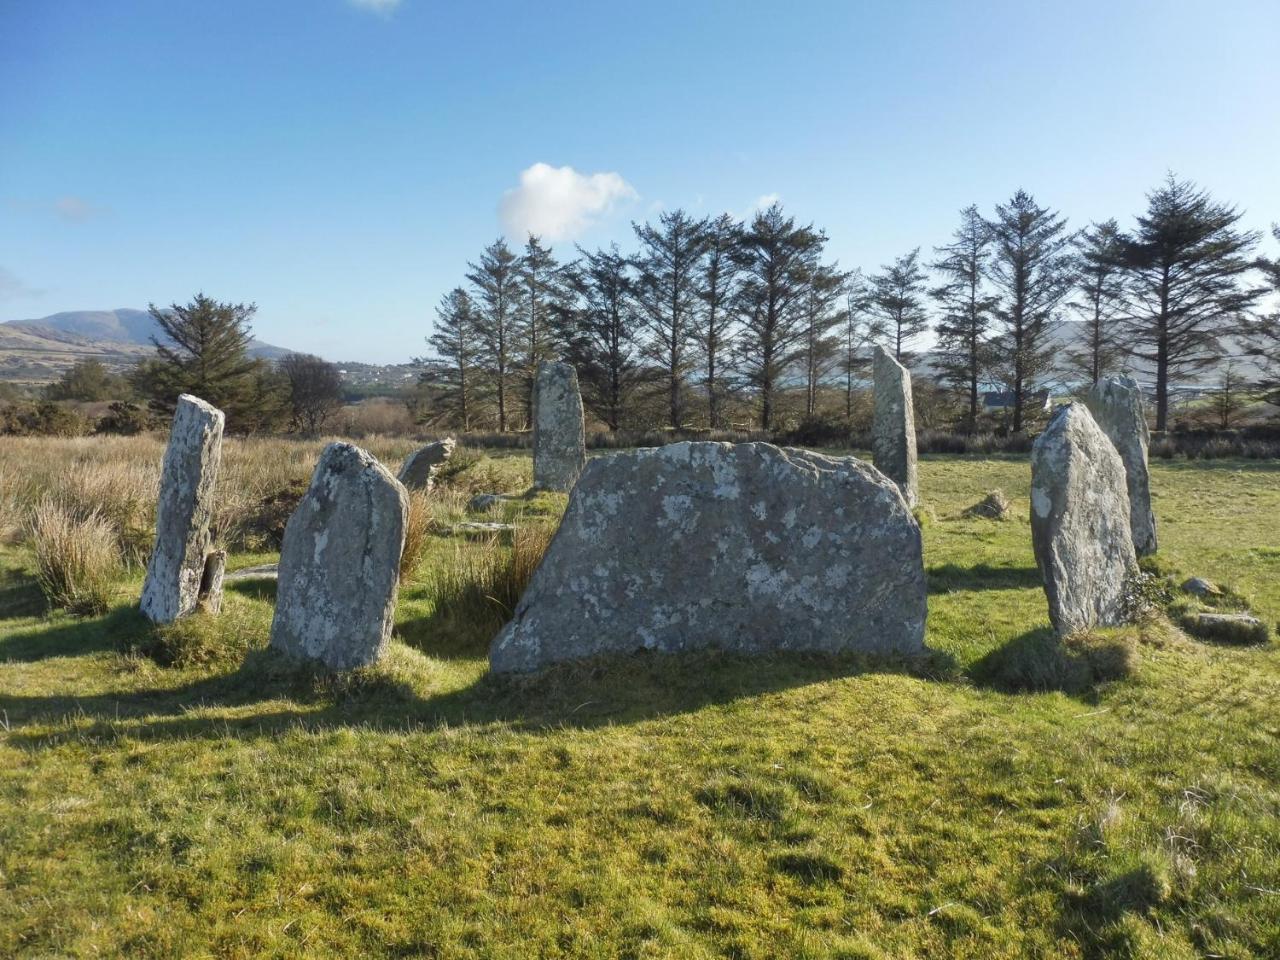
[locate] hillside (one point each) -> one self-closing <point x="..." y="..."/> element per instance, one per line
<point x="38" y="351"/>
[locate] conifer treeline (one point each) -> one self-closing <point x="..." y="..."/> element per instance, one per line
<point x="705" y="314"/>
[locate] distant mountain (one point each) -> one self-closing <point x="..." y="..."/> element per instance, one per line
<point x="122" y="326"/>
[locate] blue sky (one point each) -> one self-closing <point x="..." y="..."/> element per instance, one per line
<point x="338" y="162"/>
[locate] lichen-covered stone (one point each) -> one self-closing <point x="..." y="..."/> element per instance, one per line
<point x="340" y="562"/>
<point x="1117" y="406"/>
<point x="893" y="429"/>
<point x="419" y="468"/>
<point x="746" y="548"/>
<point x="1080" y="523"/>
<point x="176" y="570"/>
<point x="559" y="435"/>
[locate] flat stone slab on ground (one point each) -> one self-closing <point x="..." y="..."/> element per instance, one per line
<point x="745" y="548"/>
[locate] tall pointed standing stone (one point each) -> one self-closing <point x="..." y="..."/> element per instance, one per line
<point x="180" y="573"/>
<point x="1080" y="523"/>
<point x="1116" y="405"/>
<point x="559" y="437"/>
<point x="893" y="431"/>
<point x="340" y="562"/>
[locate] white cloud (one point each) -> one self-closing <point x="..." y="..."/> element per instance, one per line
<point x="76" y="209"/>
<point x="383" y="7"/>
<point x="559" y="203"/>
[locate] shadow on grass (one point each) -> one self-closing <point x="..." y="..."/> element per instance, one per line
<point x="945" y="577"/>
<point x="618" y="690"/>
<point x="73" y="637"/>
<point x="20" y="595"/>
<point x="257" y="588"/>
<point x="1038" y="661"/>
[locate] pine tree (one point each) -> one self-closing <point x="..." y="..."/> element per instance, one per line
<point x="772" y="255"/>
<point x="665" y="291"/>
<point x="1032" y="271"/>
<point x="898" y="299"/>
<point x="1100" y="281"/>
<point x="858" y="332"/>
<point x="963" y="353"/>
<point x="598" y="330"/>
<point x="203" y="349"/>
<point x="457" y="349"/>
<point x="714" y="319"/>
<point x="824" y="295"/>
<point x="1264" y="331"/>
<point x="542" y="290"/>
<point x="1186" y="265"/>
<point x="496" y="279"/>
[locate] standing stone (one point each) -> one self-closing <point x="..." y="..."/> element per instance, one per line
<point x="1080" y="522"/>
<point x="420" y="467"/>
<point x="893" y="433"/>
<point x="559" y="437"/>
<point x="180" y="575"/>
<point x="747" y="548"/>
<point x="1116" y="404"/>
<point x="339" y="563"/>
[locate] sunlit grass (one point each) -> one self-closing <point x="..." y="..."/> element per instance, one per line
<point x="987" y="803"/>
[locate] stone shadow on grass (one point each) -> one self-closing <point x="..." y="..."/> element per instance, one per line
<point x="947" y="577"/>
<point x="75" y="637"/>
<point x="616" y="690"/>
<point x="1039" y="661"/>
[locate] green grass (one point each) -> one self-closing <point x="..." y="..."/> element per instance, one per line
<point x="977" y="805"/>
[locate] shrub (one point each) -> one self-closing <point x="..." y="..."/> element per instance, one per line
<point x="126" y="419"/>
<point x="76" y="559"/>
<point x="1040" y="661"/>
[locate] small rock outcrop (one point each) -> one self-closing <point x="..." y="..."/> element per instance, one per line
<point x="893" y="430"/>
<point x="340" y="562"/>
<point x="746" y="548"/>
<point x="183" y="571"/>
<point x="1080" y="523"/>
<point x="419" y="468"/>
<point x="1117" y="407"/>
<point x="994" y="506"/>
<point x="559" y="433"/>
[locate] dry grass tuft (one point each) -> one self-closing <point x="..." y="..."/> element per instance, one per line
<point x="76" y="557"/>
<point x="416" y="532"/>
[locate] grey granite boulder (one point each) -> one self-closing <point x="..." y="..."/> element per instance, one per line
<point x="340" y="562"/>
<point x="559" y="436"/>
<point x="893" y="429"/>
<point x="183" y="570"/>
<point x="1116" y="405"/>
<point x="419" y="467"/>
<point x="746" y="548"/>
<point x="1080" y="523"/>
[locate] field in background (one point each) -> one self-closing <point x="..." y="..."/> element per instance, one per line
<point x="1001" y="800"/>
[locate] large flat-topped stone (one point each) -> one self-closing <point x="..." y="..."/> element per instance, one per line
<point x="559" y="434"/>
<point x="747" y="548"/>
<point x="1080" y="523"/>
<point x="1117" y="406"/>
<point x="340" y="561"/>
<point x="179" y="572"/>
<point x="419" y="468"/>
<point x="893" y="431"/>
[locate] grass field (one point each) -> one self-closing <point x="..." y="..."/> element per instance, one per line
<point x="996" y="801"/>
